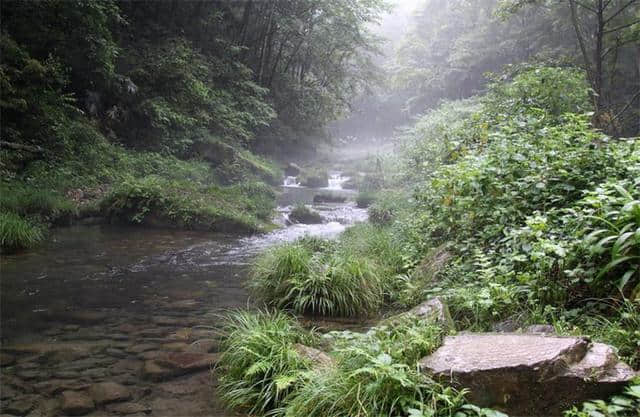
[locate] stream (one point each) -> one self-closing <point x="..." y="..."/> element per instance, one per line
<point x="95" y="303"/>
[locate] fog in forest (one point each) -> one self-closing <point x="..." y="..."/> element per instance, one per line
<point x="320" y="208"/>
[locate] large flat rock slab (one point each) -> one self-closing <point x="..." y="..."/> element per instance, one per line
<point x="527" y="374"/>
<point x="472" y="352"/>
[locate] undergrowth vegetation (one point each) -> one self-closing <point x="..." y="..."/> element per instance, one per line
<point x="509" y="206"/>
<point x="264" y="372"/>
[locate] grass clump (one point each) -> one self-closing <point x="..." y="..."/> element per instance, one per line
<point x="365" y="199"/>
<point x="17" y="232"/>
<point x="31" y="201"/>
<point x="303" y="214"/>
<point x="375" y="374"/>
<point x="260" y="366"/>
<point x="300" y="278"/>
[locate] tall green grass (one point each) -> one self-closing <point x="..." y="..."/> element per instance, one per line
<point x="28" y="201"/>
<point x="294" y="277"/>
<point x="17" y="232"/>
<point x="260" y="367"/>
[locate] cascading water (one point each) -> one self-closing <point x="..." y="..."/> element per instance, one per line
<point x="336" y="181"/>
<point x="291" y="181"/>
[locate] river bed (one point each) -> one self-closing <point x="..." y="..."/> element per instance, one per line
<point x="96" y="304"/>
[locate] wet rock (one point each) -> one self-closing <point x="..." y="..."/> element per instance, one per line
<point x="7" y="392"/>
<point x="116" y="353"/>
<point x="29" y="374"/>
<point x="151" y="355"/>
<point x="48" y="348"/>
<point x="76" y="403"/>
<point x="139" y="348"/>
<point x="127" y="328"/>
<point x="540" y="328"/>
<point x="203" y="346"/>
<point x="153" y="371"/>
<point x="505" y="326"/>
<point x="129" y="408"/>
<point x="292" y="170"/>
<point x="178" y="363"/>
<point x="175" y="346"/>
<point x="329" y="198"/>
<point x="119" y="337"/>
<point x="109" y="392"/>
<point x="184" y="334"/>
<point x="55" y="386"/>
<point x="95" y="373"/>
<point x="169" y="321"/>
<point x="527" y="374"/>
<point x="437" y="308"/>
<point x="6" y="359"/>
<point x="126" y="366"/>
<point x="88" y="363"/>
<point x="184" y="305"/>
<point x="21" y="406"/>
<point x="62" y="374"/>
<point x="83" y="317"/>
<point x="153" y="332"/>
<point x="317" y="357"/>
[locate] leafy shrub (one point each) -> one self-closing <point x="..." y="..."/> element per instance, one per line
<point x="625" y="405"/>
<point x="17" y="232"/>
<point x="259" y="366"/>
<point x="375" y="375"/>
<point x="303" y="214"/>
<point x="611" y="215"/>
<point x="365" y="199"/>
<point x="382" y="212"/>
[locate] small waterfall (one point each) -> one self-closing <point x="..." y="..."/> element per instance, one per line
<point x="291" y="181"/>
<point x="336" y="181"/>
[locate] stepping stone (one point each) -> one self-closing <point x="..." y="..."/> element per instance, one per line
<point x="76" y="403"/>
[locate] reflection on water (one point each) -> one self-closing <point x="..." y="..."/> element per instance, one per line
<point x="143" y="271"/>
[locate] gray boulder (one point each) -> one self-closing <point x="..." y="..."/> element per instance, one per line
<point x="292" y="170"/>
<point x="528" y="374"/>
<point x="435" y="308"/>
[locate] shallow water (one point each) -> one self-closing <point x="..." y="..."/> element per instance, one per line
<point x="141" y="271"/>
<point x="98" y="304"/>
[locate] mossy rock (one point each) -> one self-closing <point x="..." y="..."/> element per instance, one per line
<point x="314" y="179"/>
<point x="304" y="215"/>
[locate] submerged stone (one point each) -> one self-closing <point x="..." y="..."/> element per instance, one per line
<point x="76" y="403"/>
<point x="109" y="392"/>
<point x="527" y="374"/>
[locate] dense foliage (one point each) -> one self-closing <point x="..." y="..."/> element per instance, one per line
<point x="265" y="373"/>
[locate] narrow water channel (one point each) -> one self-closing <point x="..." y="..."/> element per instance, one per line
<point x="129" y="295"/>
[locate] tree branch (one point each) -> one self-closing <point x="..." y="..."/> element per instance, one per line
<point x="626" y="107"/>
<point x="583" y="48"/>
<point x="591" y="9"/>
<point x="622" y="27"/>
<point x="618" y="45"/>
<point x="620" y="10"/>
